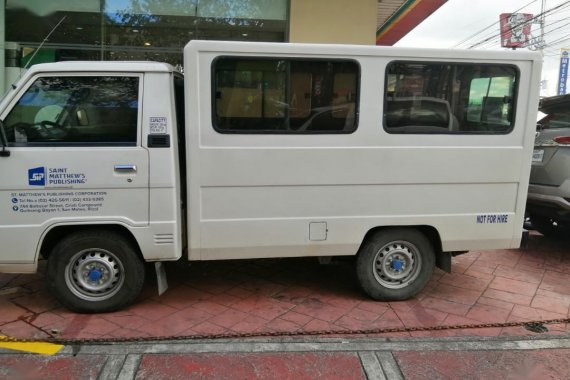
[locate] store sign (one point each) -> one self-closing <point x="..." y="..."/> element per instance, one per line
<point x="563" y="73"/>
<point x="515" y="29"/>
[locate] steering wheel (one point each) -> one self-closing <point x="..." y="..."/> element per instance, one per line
<point x="51" y="129"/>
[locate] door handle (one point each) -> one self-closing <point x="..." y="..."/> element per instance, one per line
<point x="125" y="168"/>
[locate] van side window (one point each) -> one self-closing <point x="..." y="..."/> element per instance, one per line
<point x="285" y="95"/>
<point x="449" y="98"/>
<point x="75" y="110"/>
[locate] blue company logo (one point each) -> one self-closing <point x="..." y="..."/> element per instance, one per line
<point x="37" y="176"/>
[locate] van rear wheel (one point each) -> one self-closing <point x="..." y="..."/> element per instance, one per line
<point x="95" y="271"/>
<point x="395" y="264"/>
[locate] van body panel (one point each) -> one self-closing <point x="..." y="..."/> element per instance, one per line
<point x="255" y="195"/>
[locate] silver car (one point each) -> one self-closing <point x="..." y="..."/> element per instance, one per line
<point x="548" y="203"/>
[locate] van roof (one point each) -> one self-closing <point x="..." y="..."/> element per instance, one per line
<point x="280" y="48"/>
<point x="108" y="66"/>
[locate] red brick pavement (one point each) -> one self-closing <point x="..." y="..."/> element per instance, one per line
<point x="299" y="295"/>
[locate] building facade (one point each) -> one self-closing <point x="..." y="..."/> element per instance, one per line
<point x="158" y="29"/>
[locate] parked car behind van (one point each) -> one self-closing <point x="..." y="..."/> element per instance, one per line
<point x="548" y="203"/>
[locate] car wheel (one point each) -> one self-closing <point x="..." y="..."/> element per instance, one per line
<point x="95" y="271"/>
<point x="395" y="264"/>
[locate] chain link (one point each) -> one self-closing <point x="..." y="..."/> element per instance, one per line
<point x="76" y="341"/>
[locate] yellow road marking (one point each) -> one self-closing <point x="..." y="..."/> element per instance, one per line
<point x="33" y="347"/>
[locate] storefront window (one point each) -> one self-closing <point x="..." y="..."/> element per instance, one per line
<point x="134" y="29"/>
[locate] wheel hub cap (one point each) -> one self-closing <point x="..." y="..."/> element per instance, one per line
<point x="397" y="264"/>
<point x="94" y="274"/>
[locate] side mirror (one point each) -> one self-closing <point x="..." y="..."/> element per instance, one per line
<point x="4" y="141"/>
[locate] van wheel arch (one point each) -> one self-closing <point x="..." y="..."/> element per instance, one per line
<point x="429" y="231"/>
<point x="54" y="235"/>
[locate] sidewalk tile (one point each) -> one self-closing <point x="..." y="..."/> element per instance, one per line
<point x="532" y="276"/>
<point x="455" y="320"/>
<point x="465" y="281"/>
<point x="508" y="297"/>
<point x="282" y="325"/>
<point x="50" y="368"/>
<point x="249" y="324"/>
<point x="302" y="366"/>
<point x="131" y="321"/>
<point x="152" y="310"/>
<point x="534" y="314"/>
<point x="556" y="305"/>
<point x="39" y="302"/>
<point x="495" y="303"/>
<point x="514" y="286"/>
<point x="84" y="324"/>
<point x="228" y="318"/>
<point x="317" y="309"/>
<point x="10" y="312"/>
<point x="481" y="270"/>
<point x="319" y="325"/>
<point x="210" y="307"/>
<point x="455" y="294"/>
<point x="297" y="318"/>
<point x="293" y="294"/>
<point x="532" y="364"/>
<point x="22" y="329"/>
<point x="549" y="294"/>
<point x="488" y="314"/>
<point x="508" y="257"/>
<point x="445" y="305"/>
<point x="263" y="307"/>
<point x="373" y="306"/>
<point x="205" y="328"/>
<point x="181" y="296"/>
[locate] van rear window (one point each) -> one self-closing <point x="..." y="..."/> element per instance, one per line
<point x="449" y="98"/>
<point x="283" y="95"/>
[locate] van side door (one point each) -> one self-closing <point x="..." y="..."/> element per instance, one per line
<point x="76" y="158"/>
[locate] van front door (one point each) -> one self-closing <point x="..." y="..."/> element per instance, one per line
<point x="76" y="158"/>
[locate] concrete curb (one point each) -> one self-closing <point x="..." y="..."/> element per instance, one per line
<point x="375" y="356"/>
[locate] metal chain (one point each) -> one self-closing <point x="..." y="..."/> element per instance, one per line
<point x="75" y="341"/>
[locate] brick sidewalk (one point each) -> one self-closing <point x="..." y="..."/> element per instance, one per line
<point x="299" y="295"/>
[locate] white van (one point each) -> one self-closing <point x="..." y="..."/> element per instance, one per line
<point x="400" y="157"/>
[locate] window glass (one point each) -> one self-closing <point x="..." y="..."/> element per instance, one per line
<point x="555" y="120"/>
<point x="285" y="96"/>
<point x="76" y="110"/>
<point x="150" y="30"/>
<point x="449" y="98"/>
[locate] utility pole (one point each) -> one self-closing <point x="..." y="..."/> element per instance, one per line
<point x="538" y="43"/>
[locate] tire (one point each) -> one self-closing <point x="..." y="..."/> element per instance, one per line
<point x="95" y="272"/>
<point x="395" y="264"/>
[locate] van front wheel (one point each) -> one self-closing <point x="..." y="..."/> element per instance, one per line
<point x="95" y="271"/>
<point x="395" y="264"/>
